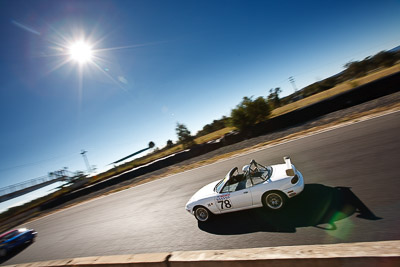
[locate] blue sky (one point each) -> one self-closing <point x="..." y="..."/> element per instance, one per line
<point x="157" y="63"/>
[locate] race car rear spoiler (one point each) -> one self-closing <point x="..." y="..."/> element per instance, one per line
<point x="289" y="167"/>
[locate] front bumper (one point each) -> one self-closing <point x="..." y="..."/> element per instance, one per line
<point x="189" y="209"/>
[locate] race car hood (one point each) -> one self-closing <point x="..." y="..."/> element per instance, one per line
<point x="279" y="172"/>
<point x="206" y="191"/>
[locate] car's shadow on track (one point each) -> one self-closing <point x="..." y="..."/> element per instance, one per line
<point x="14" y="252"/>
<point x="318" y="205"/>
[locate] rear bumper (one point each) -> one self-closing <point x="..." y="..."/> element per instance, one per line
<point x="297" y="188"/>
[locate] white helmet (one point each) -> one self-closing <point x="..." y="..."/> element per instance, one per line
<point x="245" y="168"/>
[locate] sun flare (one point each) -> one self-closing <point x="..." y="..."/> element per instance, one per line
<point x="81" y="52"/>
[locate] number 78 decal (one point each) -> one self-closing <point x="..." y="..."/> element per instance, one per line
<point x="225" y="204"/>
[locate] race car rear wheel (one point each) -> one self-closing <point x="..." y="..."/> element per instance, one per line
<point x="274" y="200"/>
<point x="202" y="214"/>
<point x="3" y="252"/>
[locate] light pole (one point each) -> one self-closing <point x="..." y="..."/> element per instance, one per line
<point x="291" y="79"/>
<point x="83" y="153"/>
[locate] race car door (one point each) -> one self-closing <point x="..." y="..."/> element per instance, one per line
<point x="232" y="197"/>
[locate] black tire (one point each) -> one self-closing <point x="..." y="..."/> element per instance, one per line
<point x="202" y="214"/>
<point x="274" y="200"/>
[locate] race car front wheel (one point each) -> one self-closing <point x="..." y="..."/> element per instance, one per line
<point x="274" y="200"/>
<point x="202" y="214"/>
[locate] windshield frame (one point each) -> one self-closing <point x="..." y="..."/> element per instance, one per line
<point x="221" y="184"/>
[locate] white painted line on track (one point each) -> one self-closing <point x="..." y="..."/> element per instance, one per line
<point x="341" y="125"/>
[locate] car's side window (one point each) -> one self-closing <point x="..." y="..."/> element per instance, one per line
<point x="257" y="180"/>
<point x="248" y="182"/>
<point x="229" y="187"/>
<point x="10" y="235"/>
<point x="244" y="183"/>
<point x="240" y="182"/>
<point x="241" y="185"/>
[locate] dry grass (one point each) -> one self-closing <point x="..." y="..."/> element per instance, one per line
<point x="340" y="88"/>
<point x="214" y="135"/>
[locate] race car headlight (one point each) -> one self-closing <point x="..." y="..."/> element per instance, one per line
<point x="295" y="179"/>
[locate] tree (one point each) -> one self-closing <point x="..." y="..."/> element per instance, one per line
<point x="184" y="135"/>
<point x="250" y="112"/>
<point x="384" y="58"/>
<point x="355" y="69"/>
<point x="169" y="143"/>
<point x="273" y="97"/>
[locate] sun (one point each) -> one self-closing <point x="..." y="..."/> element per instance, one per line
<point x="81" y="52"/>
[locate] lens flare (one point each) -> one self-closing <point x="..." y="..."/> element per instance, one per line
<point x="81" y="52"/>
<point x="344" y="226"/>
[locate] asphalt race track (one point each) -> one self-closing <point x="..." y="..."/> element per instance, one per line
<point x="352" y="194"/>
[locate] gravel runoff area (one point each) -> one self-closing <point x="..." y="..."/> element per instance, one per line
<point x="377" y="105"/>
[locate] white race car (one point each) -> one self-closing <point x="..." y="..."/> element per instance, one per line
<point x="257" y="186"/>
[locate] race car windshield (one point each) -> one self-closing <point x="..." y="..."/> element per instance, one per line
<point x="218" y="186"/>
<point x="221" y="183"/>
<point x="9" y="235"/>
